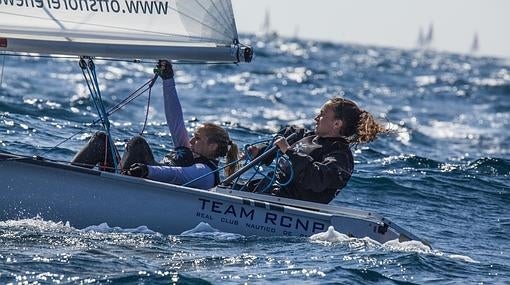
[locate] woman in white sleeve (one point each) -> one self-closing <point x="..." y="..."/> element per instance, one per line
<point x="191" y="158"/>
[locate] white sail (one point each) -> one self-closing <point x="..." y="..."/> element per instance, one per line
<point x="142" y="29"/>
<point x="430" y="36"/>
<point x="475" y="46"/>
<point x="421" y="39"/>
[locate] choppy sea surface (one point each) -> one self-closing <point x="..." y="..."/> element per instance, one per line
<point x="444" y="173"/>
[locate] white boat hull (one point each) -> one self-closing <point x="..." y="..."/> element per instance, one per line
<point x="58" y="192"/>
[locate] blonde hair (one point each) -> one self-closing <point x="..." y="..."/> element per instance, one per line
<point x="218" y="135"/>
<point x="359" y="126"/>
<point x="368" y="128"/>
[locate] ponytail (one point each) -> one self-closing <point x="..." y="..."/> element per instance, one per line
<point x="232" y="156"/>
<point x="367" y="129"/>
<point x="359" y="126"/>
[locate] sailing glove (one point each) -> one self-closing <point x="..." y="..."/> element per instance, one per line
<point x="138" y="170"/>
<point x="164" y="69"/>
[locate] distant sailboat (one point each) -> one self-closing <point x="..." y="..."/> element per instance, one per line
<point x="430" y="36"/>
<point x="420" y="42"/>
<point x="296" y="32"/>
<point x="475" y="45"/>
<point x="424" y="41"/>
<point x="266" y="31"/>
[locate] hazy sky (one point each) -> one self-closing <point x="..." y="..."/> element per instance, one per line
<point x="386" y="22"/>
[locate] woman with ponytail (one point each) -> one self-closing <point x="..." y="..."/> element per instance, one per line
<point x="194" y="162"/>
<point x="321" y="160"/>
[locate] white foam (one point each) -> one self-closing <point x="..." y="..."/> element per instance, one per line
<point x="419" y="247"/>
<point x="205" y="230"/>
<point x="200" y="228"/>
<point x="425" y="80"/>
<point x="104" y="228"/>
<point x="407" y="246"/>
<point x="37" y="222"/>
<point x="330" y="236"/>
<point x="462" y="258"/>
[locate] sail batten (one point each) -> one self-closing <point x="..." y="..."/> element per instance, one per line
<point x="223" y="20"/>
<point x="141" y="29"/>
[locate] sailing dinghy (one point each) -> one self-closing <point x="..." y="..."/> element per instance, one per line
<point x="183" y="30"/>
<point x="36" y="187"/>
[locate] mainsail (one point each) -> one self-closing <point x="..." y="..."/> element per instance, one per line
<point x="195" y="30"/>
<point x="475" y="46"/>
<point x="424" y="42"/>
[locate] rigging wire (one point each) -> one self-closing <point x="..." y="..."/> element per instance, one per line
<point x="256" y="167"/>
<point x="148" y="103"/>
<point x="269" y="179"/>
<point x="95" y="93"/>
<point x="2" y="72"/>
<point x="135" y="94"/>
<point x="92" y="89"/>
<point x="273" y="179"/>
<point x="93" y="86"/>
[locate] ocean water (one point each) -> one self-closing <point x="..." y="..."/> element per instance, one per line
<point x="443" y="174"/>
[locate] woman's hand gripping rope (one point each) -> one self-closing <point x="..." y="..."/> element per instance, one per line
<point x="164" y="69"/>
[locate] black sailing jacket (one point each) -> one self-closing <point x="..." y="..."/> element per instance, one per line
<point x="322" y="166"/>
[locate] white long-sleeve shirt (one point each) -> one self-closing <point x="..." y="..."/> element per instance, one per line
<point x="179" y="174"/>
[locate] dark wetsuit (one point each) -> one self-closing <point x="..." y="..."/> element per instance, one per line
<point x="322" y="166"/>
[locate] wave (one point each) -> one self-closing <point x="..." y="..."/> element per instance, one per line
<point x="490" y="166"/>
<point x="43" y="109"/>
<point x="414" y="162"/>
<point x="370" y="276"/>
<point x="145" y="277"/>
<point x="445" y="176"/>
<point x="401" y="164"/>
<point x="492" y="86"/>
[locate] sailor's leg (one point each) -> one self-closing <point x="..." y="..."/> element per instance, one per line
<point x="137" y="151"/>
<point x="94" y="152"/>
